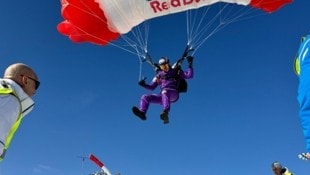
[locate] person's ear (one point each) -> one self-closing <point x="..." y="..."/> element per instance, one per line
<point x="24" y="80"/>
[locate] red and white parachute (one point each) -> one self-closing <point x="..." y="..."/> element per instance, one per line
<point x="99" y="163"/>
<point x="102" y="21"/>
<point x="126" y="23"/>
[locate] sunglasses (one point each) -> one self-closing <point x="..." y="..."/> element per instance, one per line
<point x="37" y="83"/>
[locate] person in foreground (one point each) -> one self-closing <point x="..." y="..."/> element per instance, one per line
<point x="278" y="169"/>
<point x="302" y="69"/>
<point x="170" y="79"/>
<point x="18" y="85"/>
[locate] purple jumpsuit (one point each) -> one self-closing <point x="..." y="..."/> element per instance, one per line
<point x="168" y="88"/>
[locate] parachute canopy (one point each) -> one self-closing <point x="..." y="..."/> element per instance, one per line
<point x="102" y="21"/>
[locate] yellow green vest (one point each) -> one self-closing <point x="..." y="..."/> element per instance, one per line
<point x="8" y="91"/>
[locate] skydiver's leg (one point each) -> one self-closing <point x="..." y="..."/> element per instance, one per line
<point x="147" y="99"/>
<point x="144" y="105"/>
<point x="169" y="96"/>
<point x="165" y="100"/>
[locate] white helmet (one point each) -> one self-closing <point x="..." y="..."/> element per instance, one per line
<point x="163" y="60"/>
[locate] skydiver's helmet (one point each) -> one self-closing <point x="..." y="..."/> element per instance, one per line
<point x="163" y="60"/>
<point x="164" y="64"/>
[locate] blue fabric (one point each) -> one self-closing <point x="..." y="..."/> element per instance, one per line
<point x="303" y="57"/>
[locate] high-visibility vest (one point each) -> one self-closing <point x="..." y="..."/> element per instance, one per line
<point x="287" y="173"/>
<point x="7" y="91"/>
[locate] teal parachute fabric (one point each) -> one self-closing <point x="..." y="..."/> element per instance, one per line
<point x="303" y="58"/>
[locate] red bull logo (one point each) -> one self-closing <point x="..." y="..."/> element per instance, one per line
<point x="159" y="6"/>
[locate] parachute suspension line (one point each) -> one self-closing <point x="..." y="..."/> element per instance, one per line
<point x="205" y="22"/>
<point x="145" y="58"/>
<point x="191" y="23"/>
<point x="188" y="27"/>
<point x="137" y="39"/>
<point x="200" y="30"/>
<point x="141" y="58"/>
<point x="130" y="43"/>
<point x="142" y="38"/>
<point x="245" y="13"/>
<point x="236" y="13"/>
<point x="140" y="69"/>
<point x="233" y="14"/>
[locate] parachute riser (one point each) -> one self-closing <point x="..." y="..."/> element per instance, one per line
<point x="148" y="59"/>
<point x="186" y="53"/>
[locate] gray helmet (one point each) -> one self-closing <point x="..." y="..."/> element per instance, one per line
<point x="163" y="60"/>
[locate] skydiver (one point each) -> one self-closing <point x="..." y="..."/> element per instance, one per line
<point x="168" y="77"/>
<point x="17" y="86"/>
<point x="278" y="169"/>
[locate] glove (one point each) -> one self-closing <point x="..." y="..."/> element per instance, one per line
<point x="157" y="67"/>
<point x="142" y="82"/>
<point x="190" y="60"/>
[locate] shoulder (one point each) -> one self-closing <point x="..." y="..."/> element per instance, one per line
<point x="286" y="171"/>
<point x="15" y="87"/>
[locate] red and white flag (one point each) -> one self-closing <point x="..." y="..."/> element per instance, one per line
<point x="99" y="163"/>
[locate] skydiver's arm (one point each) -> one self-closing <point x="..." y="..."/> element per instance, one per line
<point x="152" y="85"/>
<point x="189" y="73"/>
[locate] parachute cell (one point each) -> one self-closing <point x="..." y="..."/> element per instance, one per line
<point x="269" y="5"/>
<point x="102" y="21"/>
<point x="85" y="22"/>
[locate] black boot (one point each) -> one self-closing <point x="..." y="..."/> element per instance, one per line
<point x="139" y="113"/>
<point x="164" y="117"/>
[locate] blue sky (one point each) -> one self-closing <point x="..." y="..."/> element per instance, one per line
<point x="239" y="115"/>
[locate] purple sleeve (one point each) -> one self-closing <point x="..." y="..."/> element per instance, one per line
<point x="189" y="73"/>
<point x="152" y="85"/>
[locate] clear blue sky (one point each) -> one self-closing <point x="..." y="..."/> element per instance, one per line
<point x="239" y="115"/>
